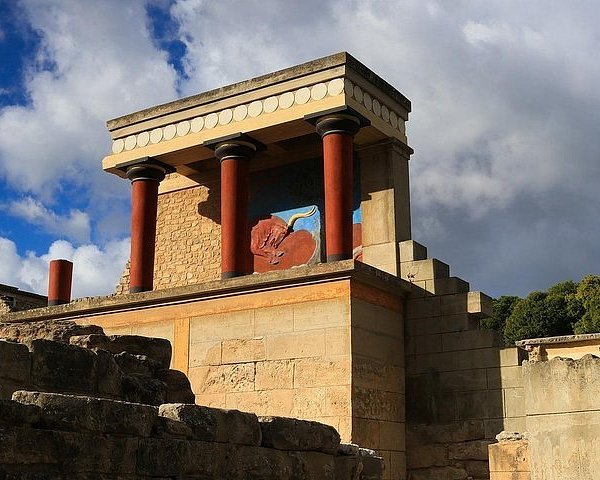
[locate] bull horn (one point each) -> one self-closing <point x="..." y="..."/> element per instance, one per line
<point x="297" y="216"/>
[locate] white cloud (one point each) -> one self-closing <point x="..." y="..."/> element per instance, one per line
<point x="74" y="226"/>
<point x="96" y="270"/>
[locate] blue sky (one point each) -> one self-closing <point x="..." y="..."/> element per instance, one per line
<point x="504" y="125"/>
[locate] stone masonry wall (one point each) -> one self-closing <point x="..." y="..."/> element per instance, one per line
<point x="188" y="238"/>
<point x="463" y="386"/>
<point x="14" y="300"/>
<point x="92" y="433"/>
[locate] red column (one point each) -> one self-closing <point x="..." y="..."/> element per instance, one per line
<point x="145" y="179"/>
<point x="59" y="282"/>
<point x="235" y="160"/>
<point x="338" y="132"/>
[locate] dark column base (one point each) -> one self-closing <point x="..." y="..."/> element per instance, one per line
<point x="226" y="275"/>
<point x="336" y="257"/>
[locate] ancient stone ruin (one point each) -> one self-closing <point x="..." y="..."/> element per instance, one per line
<point x="90" y="406"/>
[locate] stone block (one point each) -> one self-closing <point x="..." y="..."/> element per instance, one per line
<point x="221" y="326"/>
<point x="296" y="345"/>
<point x="274" y="374"/>
<point x="440" y="473"/>
<point x="13" y="413"/>
<point x="480" y="305"/>
<point x="440" y="324"/>
<point x="505" y="377"/>
<point x="424" y="270"/>
<point x="368" y="373"/>
<point x="15" y="361"/>
<point x="411" y="251"/>
<point x="222" y="378"/>
<point x="55" y="330"/>
<point x="453" y="432"/>
<point x="321" y="314"/>
<point x="392" y="436"/>
<point x="427" y="307"/>
<point x="62" y="367"/>
<point x="141" y="389"/>
<point x="380" y="254"/>
<point x="463" y="380"/>
<point x="510" y="456"/>
<point x="337" y="341"/>
<point x="424" y="344"/>
<point x="91" y="414"/>
<point x="243" y="350"/>
<point x="512" y="356"/>
<point x="178" y="386"/>
<point x="273" y="320"/>
<point x="425" y="456"/>
<point x="446" y="286"/>
<point x="204" y="353"/>
<point x="136" y="364"/>
<point x="274" y="402"/>
<point x="480" y="404"/>
<point x="473" y="450"/>
<point x="338" y="401"/>
<point x="377" y="318"/>
<point x="314" y="372"/>
<point x="514" y="402"/>
<point x="299" y="435"/>
<point x="109" y="375"/>
<point x="477" y="358"/>
<point x="366" y="432"/>
<point x="397" y="465"/>
<point x="379" y="347"/>
<point x="217" y="400"/>
<point x="378" y="405"/>
<point x="215" y="425"/>
<point x="471" y="340"/>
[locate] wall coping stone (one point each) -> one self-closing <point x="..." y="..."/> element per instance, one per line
<point x="556" y="340"/>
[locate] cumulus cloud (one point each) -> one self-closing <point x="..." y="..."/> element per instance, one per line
<point x="96" y="270"/>
<point x="75" y="225"/>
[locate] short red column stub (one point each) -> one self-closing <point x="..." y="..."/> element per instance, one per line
<point x="60" y="278"/>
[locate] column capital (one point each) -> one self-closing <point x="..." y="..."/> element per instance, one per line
<point x="147" y="168"/>
<point x="338" y="123"/>
<point x="234" y="149"/>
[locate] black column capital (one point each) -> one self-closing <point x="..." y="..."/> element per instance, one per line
<point x="146" y="168"/>
<point x="234" y="149"/>
<point x="338" y="123"/>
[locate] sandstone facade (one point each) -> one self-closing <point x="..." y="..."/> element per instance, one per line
<point x="14" y="300"/>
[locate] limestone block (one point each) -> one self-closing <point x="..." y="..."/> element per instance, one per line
<point x="338" y="401"/>
<point x="376" y="318"/>
<point x="366" y="432"/>
<point x="136" y="364"/>
<point x="166" y="427"/>
<point x="440" y="324"/>
<point x="455" y="303"/>
<point x="368" y="373"/>
<point x="474" y="450"/>
<point x="392" y="436"/>
<point x="18" y="414"/>
<point x="423" y="308"/>
<point x="55" y="330"/>
<point x="454" y="432"/>
<point x="382" y="348"/>
<point x="381" y="254"/>
<point x="480" y="404"/>
<point x="424" y="344"/>
<point x="222" y="378"/>
<point x="309" y="403"/>
<point x="424" y="270"/>
<point x="215" y="425"/>
<point x="493" y="426"/>
<point x="412" y="251"/>
<point x="277" y="402"/>
<point x="179" y="389"/>
<point x="471" y="340"/>
<point x="377" y="405"/>
<point x="91" y="414"/>
<point x="15" y="361"/>
<point x="273" y="320"/>
<point x="514" y="402"/>
<point x="321" y="314"/>
<point x="299" y="435"/>
<point x="480" y="305"/>
<point x="397" y="465"/>
<point x="446" y="286"/>
<point x="216" y="400"/>
<point x="316" y="372"/>
<point x="274" y="374"/>
<point x="62" y="367"/>
<point x="110" y="376"/>
<point x="147" y="390"/>
<point x="463" y="380"/>
<point x="222" y="326"/>
<point x="440" y="473"/>
<point x="509" y="456"/>
<point x="512" y="356"/>
<point x="204" y="353"/>
<point x="505" y="377"/>
<point x="243" y="350"/>
<point x="478" y="358"/>
<point x="424" y="456"/>
<point x="337" y="341"/>
<point x="157" y="349"/>
<point x="296" y="345"/>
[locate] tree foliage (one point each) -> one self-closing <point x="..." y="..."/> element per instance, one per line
<point x="564" y="309"/>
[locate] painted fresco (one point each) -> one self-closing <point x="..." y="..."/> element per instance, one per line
<point x="287" y="217"/>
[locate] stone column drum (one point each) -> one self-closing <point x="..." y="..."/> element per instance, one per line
<point x="145" y="179"/>
<point x="59" y="282"/>
<point x="337" y="132"/>
<point x="235" y="160"/>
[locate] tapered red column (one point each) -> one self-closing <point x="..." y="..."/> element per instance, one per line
<point x="60" y="277"/>
<point x="235" y="160"/>
<point x="145" y="179"/>
<point x="337" y="132"/>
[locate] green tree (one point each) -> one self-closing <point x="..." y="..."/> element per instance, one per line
<point x="588" y="294"/>
<point x="544" y="314"/>
<point x="502" y="308"/>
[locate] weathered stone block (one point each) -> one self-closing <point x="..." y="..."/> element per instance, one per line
<point x="140" y="389"/>
<point x="55" y="330"/>
<point x="18" y="414"/>
<point x="411" y="251"/>
<point x="110" y="377"/>
<point x="91" y="414"/>
<point x="319" y="372"/>
<point x="15" y="362"/>
<point x="61" y="367"/>
<point x="136" y="364"/>
<point x="215" y="425"/>
<point x="474" y="450"/>
<point x="296" y="345"/>
<point x="223" y="378"/>
<point x="439" y="473"/>
<point x="243" y="350"/>
<point x="424" y="456"/>
<point x="291" y="434"/>
<point x="509" y="456"/>
<point x="275" y="374"/>
<point x="178" y="385"/>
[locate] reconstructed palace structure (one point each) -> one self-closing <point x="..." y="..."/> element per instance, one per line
<point x="271" y="244"/>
